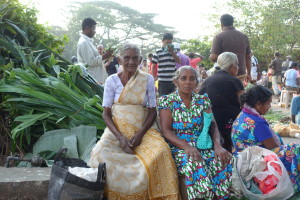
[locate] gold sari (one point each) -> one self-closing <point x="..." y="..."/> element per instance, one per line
<point x="150" y="173"/>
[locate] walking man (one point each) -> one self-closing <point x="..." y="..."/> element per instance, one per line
<point x="254" y="68"/>
<point x="276" y="64"/>
<point x="232" y="40"/>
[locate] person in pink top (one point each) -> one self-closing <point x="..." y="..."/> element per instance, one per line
<point x="195" y="59"/>
<point x="183" y="58"/>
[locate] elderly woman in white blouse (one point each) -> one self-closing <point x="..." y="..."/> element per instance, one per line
<point x="138" y="160"/>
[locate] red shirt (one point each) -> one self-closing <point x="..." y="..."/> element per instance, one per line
<point x="155" y="69"/>
<point x="194" y="62"/>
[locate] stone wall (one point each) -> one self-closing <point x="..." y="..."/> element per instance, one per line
<point x="24" y="183"/>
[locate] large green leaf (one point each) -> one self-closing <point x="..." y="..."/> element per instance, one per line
<point x="28" y="120"/>
<point x="17" y="29"/>
<point x="28" y="92"/>
<point x="83" y="136"/>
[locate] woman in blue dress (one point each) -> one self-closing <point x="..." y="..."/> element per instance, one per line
<point x="251" y="129"/>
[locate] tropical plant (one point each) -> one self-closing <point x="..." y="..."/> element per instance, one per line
<point x="40" y="104"/>
<point x="201" y="46"/>
<point x="40" y="90"/>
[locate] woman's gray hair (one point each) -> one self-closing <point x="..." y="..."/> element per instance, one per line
<point x="184" y="68"/>
<point x="226" y="59"/>
<point x="100" y="45"/>
<point x="127" y="46"/>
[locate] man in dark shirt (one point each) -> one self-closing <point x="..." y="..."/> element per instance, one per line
<point x="232" y="40"/>
<point x="111" y="65"/>
<point x="276" y="65"/>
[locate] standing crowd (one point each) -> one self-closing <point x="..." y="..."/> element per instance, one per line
<point x="180" y="145"/>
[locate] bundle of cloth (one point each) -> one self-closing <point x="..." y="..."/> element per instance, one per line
<point x="287" y="130"/>
<point x="268" y="179"/>
<point x="259" y="174"/>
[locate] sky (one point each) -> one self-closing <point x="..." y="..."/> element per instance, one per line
<point x="188" y="17"/>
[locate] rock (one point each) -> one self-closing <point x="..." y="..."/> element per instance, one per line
<point x="24" y="183"/>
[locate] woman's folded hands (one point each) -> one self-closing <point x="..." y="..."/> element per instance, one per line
<point x="125" y="144"/>
<point x="192" y="152"/>
<point x="223" y="154"/>
<point x="128" y="145"/>
<point x="136" y="139"/>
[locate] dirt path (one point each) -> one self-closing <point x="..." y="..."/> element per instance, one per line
<point x="275" y="107"/>
<point x="285" y="112"/>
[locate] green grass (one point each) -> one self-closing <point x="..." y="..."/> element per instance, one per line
<point x="275" y="116"/>
<point x="296" y="196"/>
<point x="235" y="198"/>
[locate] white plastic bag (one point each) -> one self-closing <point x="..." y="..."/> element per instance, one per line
<point x="284" y="189"/>
<point x="271" y="171"/>
<point x="89" y="174"/>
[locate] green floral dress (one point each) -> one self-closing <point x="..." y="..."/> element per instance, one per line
<point x="209" y="177"/>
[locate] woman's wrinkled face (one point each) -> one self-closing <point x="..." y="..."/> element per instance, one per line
<point x="130" y="60"/>
<point x="186" y="82"/>
<point x="262" y="108"/>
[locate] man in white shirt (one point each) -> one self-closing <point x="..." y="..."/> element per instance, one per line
<point x="254" y="67"/>
<point x="291" y="77"/>
<point x="287" y="63"/>
<point x="88" y="54"/>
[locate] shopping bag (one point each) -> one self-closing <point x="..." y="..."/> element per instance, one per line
<point x="64" y="185"/>
<point x="284" y="188"/>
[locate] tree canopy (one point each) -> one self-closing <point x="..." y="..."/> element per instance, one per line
<point x="115" y="24"/>
<point x="201" y="46"/>
<point x="271" y="25"/>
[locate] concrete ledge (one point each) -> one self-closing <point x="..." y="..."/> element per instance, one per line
<point x="24" y="183"/>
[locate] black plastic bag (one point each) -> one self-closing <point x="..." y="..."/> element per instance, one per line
<point x="65" y="186"/>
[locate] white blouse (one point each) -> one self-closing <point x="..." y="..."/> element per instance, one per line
<point x="113" y="89"/>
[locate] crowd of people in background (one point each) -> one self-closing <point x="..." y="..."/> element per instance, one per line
<point x="200" y="109"/>
<point x="105" y="63"/>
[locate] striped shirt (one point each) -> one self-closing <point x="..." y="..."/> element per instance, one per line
<point x="166" y="65"/>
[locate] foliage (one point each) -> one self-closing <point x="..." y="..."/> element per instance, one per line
<point x="115" y="24"/>
<point x="4" y="132"/>
<point x="19" y="27"/>
<point x="274" y="116"/>
<point x="200" y="46"/>
<point x="271" y="25"/>
<point x="40" y="90"/>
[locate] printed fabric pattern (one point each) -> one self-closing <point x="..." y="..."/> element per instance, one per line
<point x="243" y="136"/>
<point x="148" y="174"/>
<point x="206" y="178"/>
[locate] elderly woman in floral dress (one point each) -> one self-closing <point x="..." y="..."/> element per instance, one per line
<point x="187" y="124"/>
